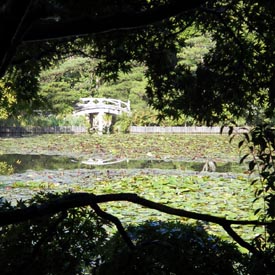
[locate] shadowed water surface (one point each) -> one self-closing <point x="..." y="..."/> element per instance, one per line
<point x="21" y="163"/>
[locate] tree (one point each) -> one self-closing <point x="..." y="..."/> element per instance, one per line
<point x="64" y="84"/>
<point x="236" y="74"/>
<point x="40" y="20"/>
<point x="7" y="101"/>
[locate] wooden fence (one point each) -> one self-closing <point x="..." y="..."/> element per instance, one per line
<point x="182" y="130"/>
<point x="21" y="131"/>
<point x="31" y="130"/>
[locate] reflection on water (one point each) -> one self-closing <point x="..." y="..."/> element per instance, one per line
<point x="21" y="163"/>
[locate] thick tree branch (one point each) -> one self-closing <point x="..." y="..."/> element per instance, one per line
<point x="12" y="31"/>
<point x="85" y="199"/>
<point x="114" y="220"/>
<point x="239" y="240"/>
<point x="34" y="26"/>
<point x="123" y="21"/>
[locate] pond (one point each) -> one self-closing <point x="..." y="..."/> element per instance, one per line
<point x="24" y="162"/>
<point x="167" y="172"/>
<point x="174" y="183"/>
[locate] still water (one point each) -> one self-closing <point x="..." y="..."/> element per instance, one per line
<point x="21" y="163"/>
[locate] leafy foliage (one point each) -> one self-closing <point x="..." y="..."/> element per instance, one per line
<point x="45" y="121"/>
<point x="122" y="123"/>
<point x="51" y="245"/>
<point x="234" y="75"/>
<point x="64" y="85"/>
<point x="259" y="146"/>
<point x="171" y="248"/>
<point x="7" y="100"/>
<point x="6" y="169"/>
<point x="234" y="78"/>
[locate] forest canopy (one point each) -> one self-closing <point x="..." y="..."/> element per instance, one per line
<point x="235" y="77"/>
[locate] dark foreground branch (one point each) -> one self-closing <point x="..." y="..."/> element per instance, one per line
<point x="115" y="221"/>
<point x="85" y="199"/>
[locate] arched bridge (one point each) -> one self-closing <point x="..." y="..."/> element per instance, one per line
<point x="92" y="105"/>
<point x="96" y="108"/>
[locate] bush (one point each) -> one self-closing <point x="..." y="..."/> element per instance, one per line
<point x="66" y="243"/>
<point x="46" y="121"/>
<point x="123" y="123"/>
<point x="6" y="169"/>
<point x="171" y="248"/>
<point x="76" y="242"/>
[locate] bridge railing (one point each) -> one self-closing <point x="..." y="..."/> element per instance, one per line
<point x="93" y="102"/>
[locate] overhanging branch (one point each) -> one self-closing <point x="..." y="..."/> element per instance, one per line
<point x="114" y="220"/>
<point x="40" y="27"/>
<point x="42" y="30"/>
<point x="85" y="199"/>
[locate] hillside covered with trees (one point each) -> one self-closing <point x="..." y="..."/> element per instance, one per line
<point x="72" y="78"/>
<point x="178" y="61"/>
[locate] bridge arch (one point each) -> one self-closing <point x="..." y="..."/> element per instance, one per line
<point x="98" y="108"/>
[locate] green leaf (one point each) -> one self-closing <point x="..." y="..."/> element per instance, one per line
<point x="221" y="130"/>
<point x="240" y="143"/>
<point x="251" y="165"/>
<point x="243" y="158"/>
<point x="271" y="207"/>
<point x="230" y="131"/>
<point x="257" y="211"/>
<point x="231" y="138"/>
<point x="259" y="192"/>
<point x="246" y="137"/>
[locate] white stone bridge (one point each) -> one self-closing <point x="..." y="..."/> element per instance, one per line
<point x="96" y="108"/>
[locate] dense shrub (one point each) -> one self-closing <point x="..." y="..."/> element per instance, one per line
<point x="66" y="243"/>
<point x="46" y="121"/>
<point x="123" y="123"/>
<point x="6" y="169"/>
<point x="76" y="242"/>
<point x="172" y="248"/>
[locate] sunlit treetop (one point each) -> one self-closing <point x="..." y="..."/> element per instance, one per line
<point x="235" y="76"/>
